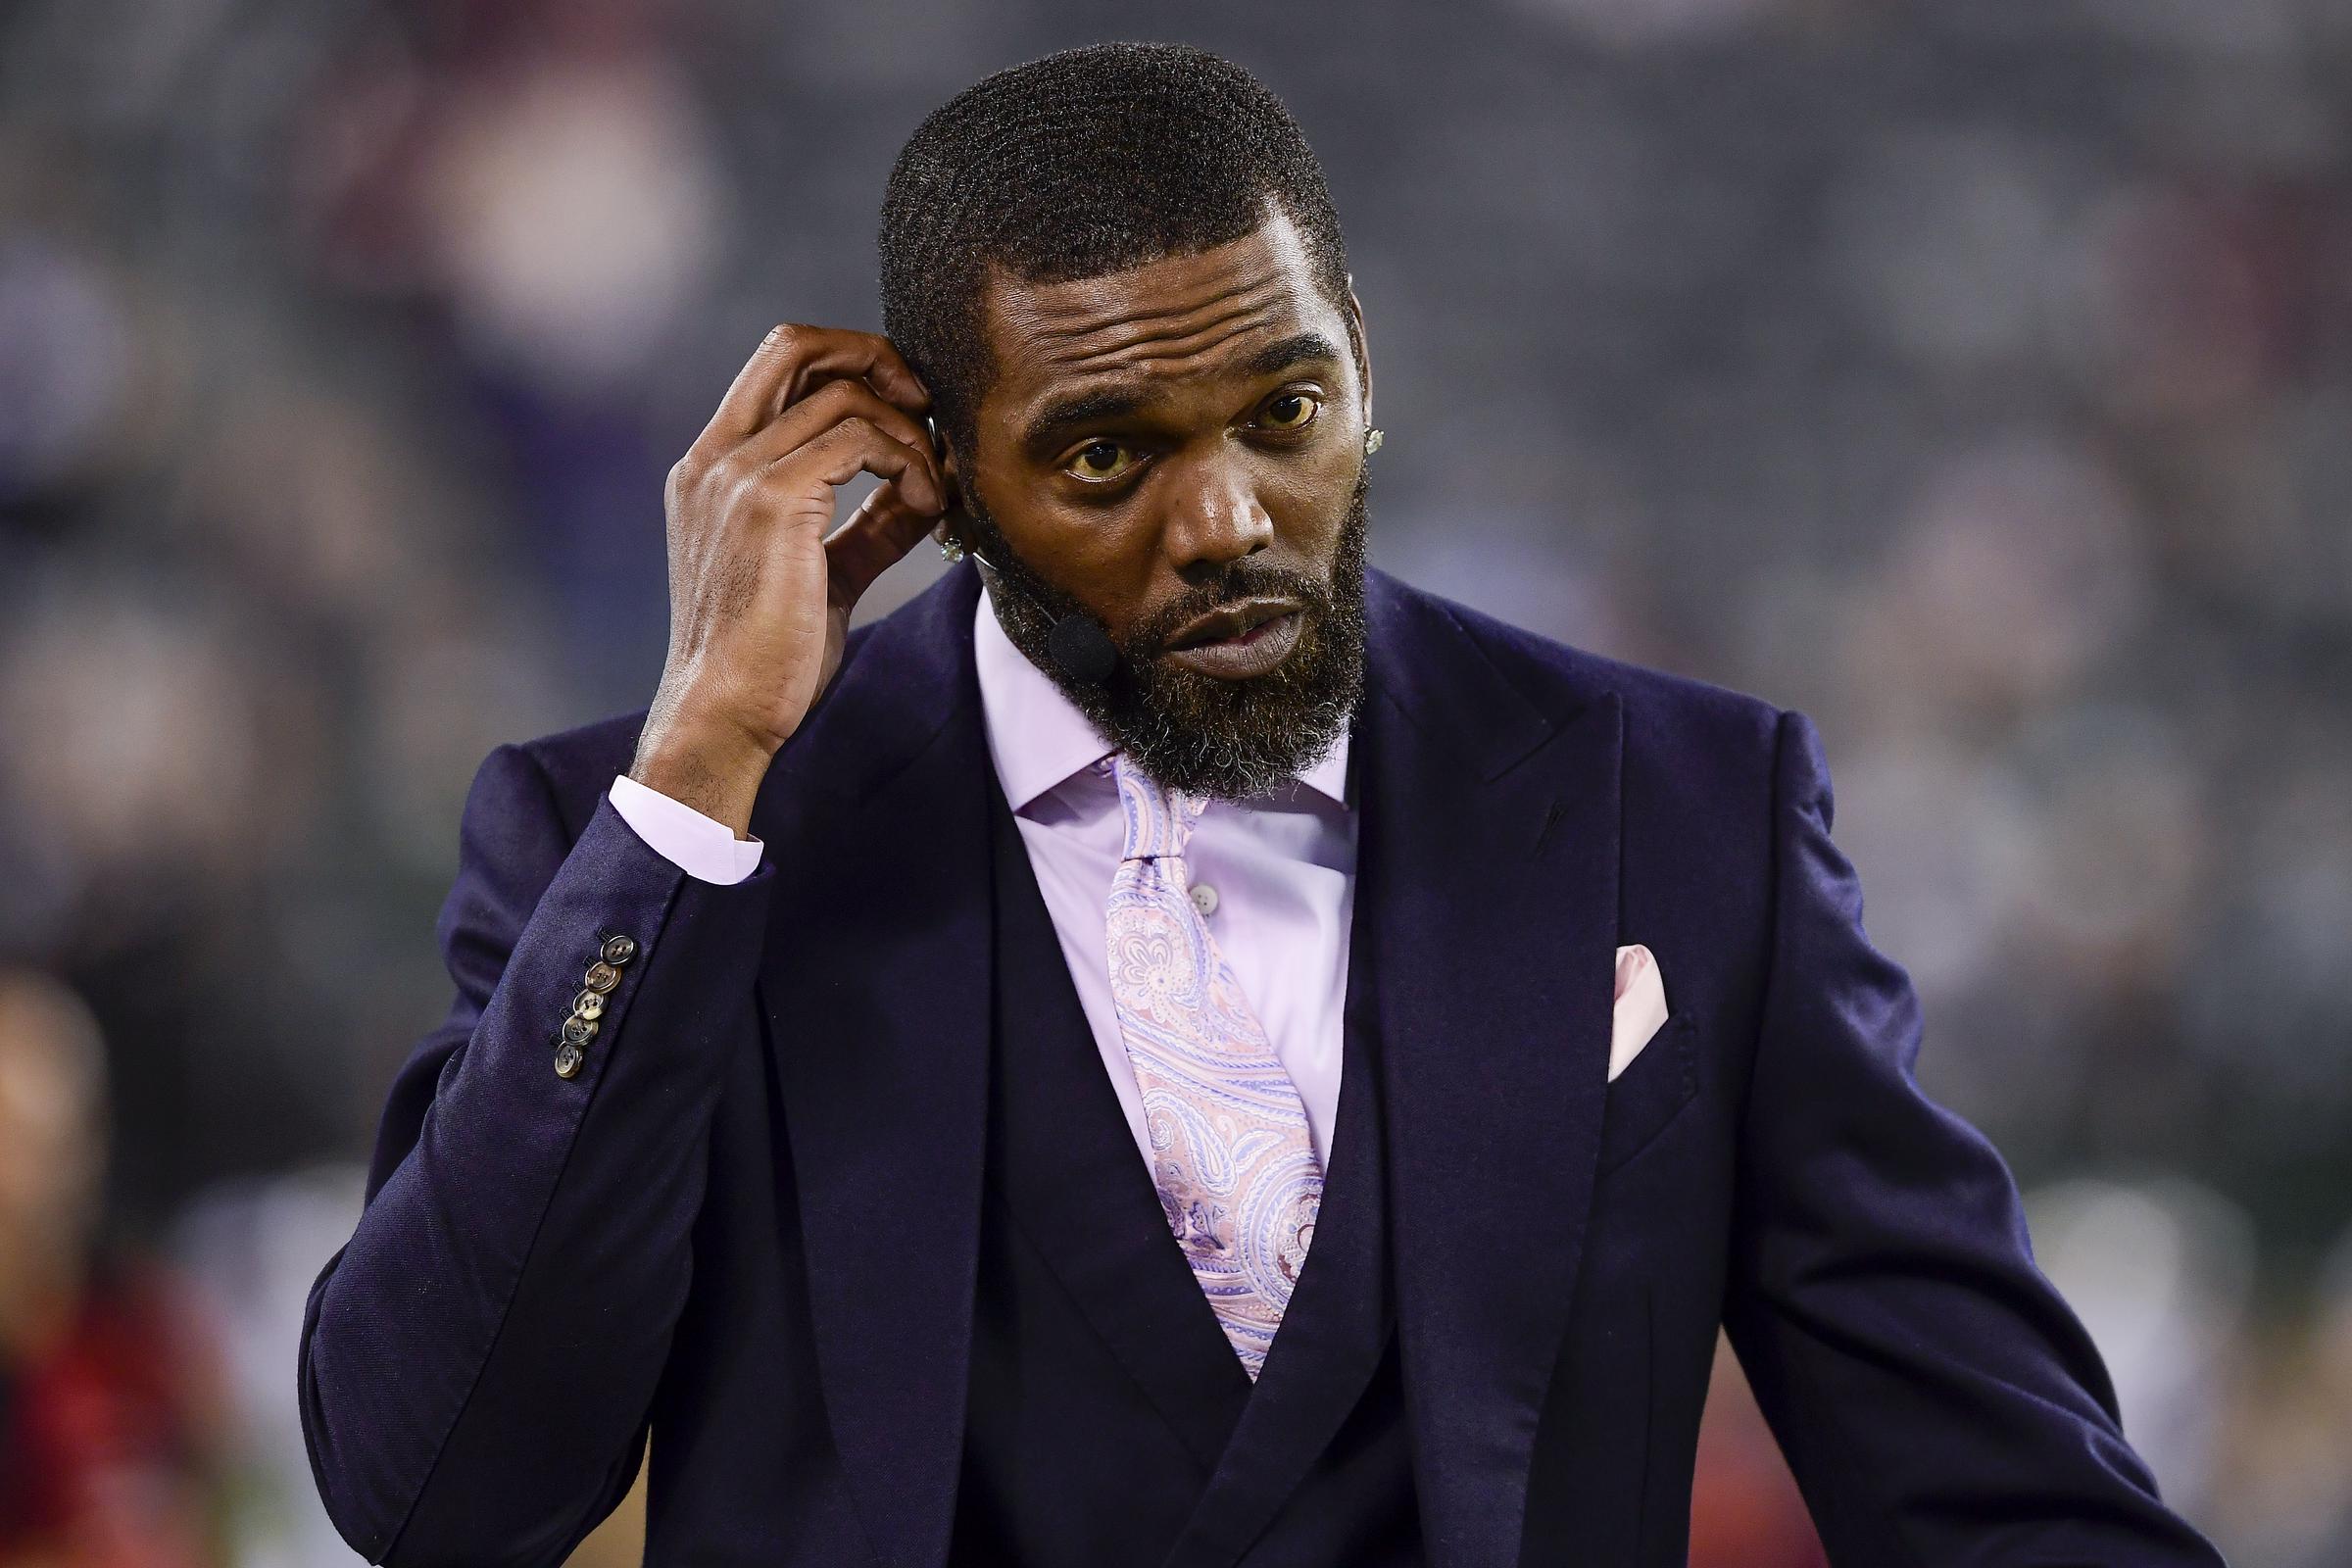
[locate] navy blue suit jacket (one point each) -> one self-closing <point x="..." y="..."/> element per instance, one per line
<point x="752" y="1218"/>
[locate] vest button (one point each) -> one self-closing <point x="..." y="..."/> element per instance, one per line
<point x="1204" y="897"/>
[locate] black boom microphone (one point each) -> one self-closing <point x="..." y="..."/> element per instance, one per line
<point x="1077" y="641"/>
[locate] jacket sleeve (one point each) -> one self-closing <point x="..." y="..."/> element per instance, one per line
<point x="478" y="1359"/>
<point x="1937" y="1401"/>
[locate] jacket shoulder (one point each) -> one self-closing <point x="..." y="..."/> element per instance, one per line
<point x="1664" y="712"/>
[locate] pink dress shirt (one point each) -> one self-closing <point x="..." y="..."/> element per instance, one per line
<point x="1274" y="876"/>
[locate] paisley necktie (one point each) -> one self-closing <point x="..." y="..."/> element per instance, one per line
<point x="1235" y="1172"/>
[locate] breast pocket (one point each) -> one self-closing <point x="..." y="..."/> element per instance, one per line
<point x="1651" y="1092"/>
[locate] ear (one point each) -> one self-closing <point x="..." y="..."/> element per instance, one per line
<point x="1363" y="361"/>
<point x="945" y="528"/>
<point x="947" y="469"/>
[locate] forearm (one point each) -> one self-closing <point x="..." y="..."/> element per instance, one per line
<point x="477" y="1361"/>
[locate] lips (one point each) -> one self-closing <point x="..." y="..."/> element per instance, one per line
<point x="1245" y="657"/>
<point x="1230" y="621"/>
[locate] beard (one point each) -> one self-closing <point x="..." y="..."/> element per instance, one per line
<point x="1205" y="734"/>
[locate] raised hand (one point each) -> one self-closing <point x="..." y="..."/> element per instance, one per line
<point x="760" y="584"/>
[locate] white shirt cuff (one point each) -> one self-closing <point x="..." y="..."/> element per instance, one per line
<point x="694" y="843"/>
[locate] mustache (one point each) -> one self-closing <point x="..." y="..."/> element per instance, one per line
<point x="1245" y="578"/>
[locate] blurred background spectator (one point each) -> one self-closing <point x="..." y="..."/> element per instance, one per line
<point x="1977" y="378"/>
<point x="111" y="1430"/>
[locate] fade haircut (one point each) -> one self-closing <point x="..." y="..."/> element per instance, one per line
<point x="1086" y="162"/>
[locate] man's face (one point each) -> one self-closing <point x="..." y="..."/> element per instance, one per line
<point x="1181" y="440"/>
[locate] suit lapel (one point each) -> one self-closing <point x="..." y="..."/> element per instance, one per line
<point x="875" y="992"/>
<point x="1073" y="1181"/>
<point x="1489" y="852"/>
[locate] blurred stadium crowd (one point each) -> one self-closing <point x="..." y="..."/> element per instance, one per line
<point x="1975" y="378"/>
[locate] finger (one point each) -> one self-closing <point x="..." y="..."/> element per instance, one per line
<point x="868" y="355"/>
<point x="824" y="409"/>
<point x="844" y="403"/>
<point x="791" y="358"/>
<point x="874" y="538"/>
<point x="858" y="445"/>
<point x="755" y="385"/>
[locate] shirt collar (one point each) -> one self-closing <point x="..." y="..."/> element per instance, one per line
<point x="1038" y="738"/>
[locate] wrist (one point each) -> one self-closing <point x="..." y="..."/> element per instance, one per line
<point x="714" y="768"/>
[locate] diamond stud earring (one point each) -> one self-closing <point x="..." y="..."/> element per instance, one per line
<point x="1372" y="439"/>
<point x="951" y="550"/>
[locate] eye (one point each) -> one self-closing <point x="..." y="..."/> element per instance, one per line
<point x="1099" y="461"/>
<point x="1292" y="411"/>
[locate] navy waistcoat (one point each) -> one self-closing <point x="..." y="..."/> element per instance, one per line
<point x="1108" y="1419"/>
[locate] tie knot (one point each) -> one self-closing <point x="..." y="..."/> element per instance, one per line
<point x="1160" y="822"/>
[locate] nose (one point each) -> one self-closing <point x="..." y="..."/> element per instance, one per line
<point x="1220" y="520"/>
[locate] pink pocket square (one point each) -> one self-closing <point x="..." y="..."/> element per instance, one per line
<point x="1640" y="1009"/>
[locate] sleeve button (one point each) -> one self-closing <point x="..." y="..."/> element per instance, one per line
<point x="589" y="1005"/>
<point x="619" y="949"/>
<point x="578" y="1031"/>
<point x="602" y="976"/>
<point x="568" y="1060"/>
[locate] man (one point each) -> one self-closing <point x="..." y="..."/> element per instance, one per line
<point x="1151" y="1053"/>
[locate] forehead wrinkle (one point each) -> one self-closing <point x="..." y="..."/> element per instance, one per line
<point x="1142" y="335"/>
<point x="1239" y="294"/>
<point x="1184" y="355"/>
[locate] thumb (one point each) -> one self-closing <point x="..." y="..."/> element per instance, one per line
<point x="871" y="540"/>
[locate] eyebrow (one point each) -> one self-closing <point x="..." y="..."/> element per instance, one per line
<point x="1063" y="418"/>
<point x="1297" y="349"/>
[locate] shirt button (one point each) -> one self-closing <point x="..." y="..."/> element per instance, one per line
<point x="1204" y="897"/>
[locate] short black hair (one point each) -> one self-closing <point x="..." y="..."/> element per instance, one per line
<point x="1085" y="162"/>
